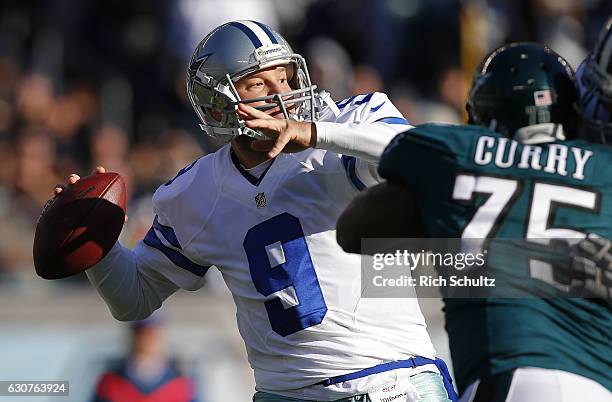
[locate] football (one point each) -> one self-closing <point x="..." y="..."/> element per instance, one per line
<point x="80" y="226"/>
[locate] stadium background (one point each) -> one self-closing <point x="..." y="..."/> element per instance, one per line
<point x="86" y="83"/>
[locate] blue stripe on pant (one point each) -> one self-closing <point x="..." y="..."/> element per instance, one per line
<point x="429" y="386"/>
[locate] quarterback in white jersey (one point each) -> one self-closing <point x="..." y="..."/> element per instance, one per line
<point x="266" y="220"/>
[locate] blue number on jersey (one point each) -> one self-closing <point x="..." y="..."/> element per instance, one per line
<point x="295" y="271"/>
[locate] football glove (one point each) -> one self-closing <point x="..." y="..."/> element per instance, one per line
<point x="592" y="269"/>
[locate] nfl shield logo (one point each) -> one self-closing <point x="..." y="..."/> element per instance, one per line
<point x="260" y="200"/>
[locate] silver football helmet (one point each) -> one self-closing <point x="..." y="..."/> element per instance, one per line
<point x="230" y="52"/>
<point x="594" y="78"/>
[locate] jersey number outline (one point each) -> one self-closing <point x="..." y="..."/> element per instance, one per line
<point x="281" y="268"/>
<point x="545" y="198"/>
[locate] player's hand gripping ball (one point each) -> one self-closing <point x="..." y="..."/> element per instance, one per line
<point x="79" y="226"/>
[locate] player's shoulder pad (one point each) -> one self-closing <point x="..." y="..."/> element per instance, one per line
<point x="365" y="108"/>
<point x="185" y="201"/>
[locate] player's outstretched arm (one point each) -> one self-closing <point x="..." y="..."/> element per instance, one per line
<point x="387" y="210"/>
<point x="364" y="140"/>
<point x="131" y="290"/>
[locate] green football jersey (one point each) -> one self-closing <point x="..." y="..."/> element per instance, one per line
<point x="471" y="182"/>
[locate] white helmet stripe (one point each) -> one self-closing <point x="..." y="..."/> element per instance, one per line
<point x="256" y="29"/>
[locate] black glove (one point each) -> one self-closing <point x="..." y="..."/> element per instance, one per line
<point x="592" y="269"/>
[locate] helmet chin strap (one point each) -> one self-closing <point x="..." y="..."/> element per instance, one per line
<point x="540" y="133"/>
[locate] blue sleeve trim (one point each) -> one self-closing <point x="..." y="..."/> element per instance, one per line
<point x="177" y="258"/>
<point x="366" y="98"/>
<point x="349" y="165"/>
<point x="394" y="120"/>
<point x="167" y="232"/>
<point x="375" y="108"/>
<point x="345" y="102"/>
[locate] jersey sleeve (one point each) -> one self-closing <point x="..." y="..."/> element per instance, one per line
<point x="131" y="289"/>
<point x="364" y="126"/>
<point x="134" y="283"/>
<point x="378" y="108"/>
<point x="161" y="251"/>
<point x="179" y="215"/>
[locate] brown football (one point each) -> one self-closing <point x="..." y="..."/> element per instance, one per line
<point x="80" y="226"/>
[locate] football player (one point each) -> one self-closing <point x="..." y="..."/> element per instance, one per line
<point x="518" y="172"/>
<point x="263" y="210"/>
<point x="594" y="79"/>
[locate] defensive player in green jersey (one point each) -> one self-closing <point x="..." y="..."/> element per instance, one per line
<point x="518" y="172"/>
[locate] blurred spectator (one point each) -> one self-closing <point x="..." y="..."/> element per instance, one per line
<point x="367" y="79"/>
<point x="147" y="374"/>
<point x="34" y="98"/>
<point x="35" y="161"/>
<point x="192" y="19"/>
<point x="103" y="82"/>
<point x="330" y="67"/>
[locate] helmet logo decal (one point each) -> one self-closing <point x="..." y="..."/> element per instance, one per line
<point x="202" y="57"/>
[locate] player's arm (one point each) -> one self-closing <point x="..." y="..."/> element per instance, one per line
<point x="131" y="289"/>
<point x="387" y="210"/>
<point x="133" y="283"/>
<point x="364" y="140"/>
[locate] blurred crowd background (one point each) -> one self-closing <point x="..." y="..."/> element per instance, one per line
<point x="101" y="82"/>
<point x="86" y="83"/>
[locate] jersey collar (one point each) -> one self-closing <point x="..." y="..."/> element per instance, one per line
<point x="251" y="179"/>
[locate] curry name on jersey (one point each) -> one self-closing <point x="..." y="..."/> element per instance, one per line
<point x="471" y="182"/>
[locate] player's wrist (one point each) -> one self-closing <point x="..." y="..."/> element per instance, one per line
<point x="321" y="136"/>
<point x="312" y="127"/>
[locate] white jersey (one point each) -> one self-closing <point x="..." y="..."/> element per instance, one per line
<point x="299" y="307"/>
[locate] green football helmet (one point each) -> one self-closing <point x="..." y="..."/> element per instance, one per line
<point x="525" y="91"/>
